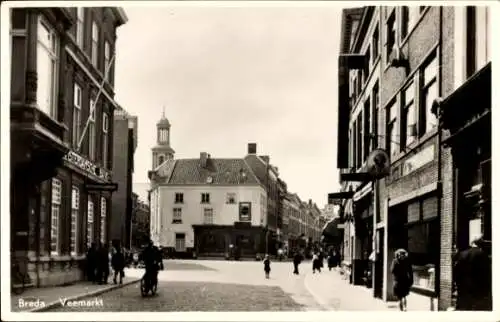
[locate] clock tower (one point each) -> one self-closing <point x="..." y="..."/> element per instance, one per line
<point x="162" y="151"/>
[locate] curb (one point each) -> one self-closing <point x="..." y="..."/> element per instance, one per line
<point x="56" y="304"/>
<point x="316" y="297"/>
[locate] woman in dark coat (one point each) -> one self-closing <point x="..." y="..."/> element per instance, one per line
<point x="402" y="273"/>
<point x="267" y="266"/>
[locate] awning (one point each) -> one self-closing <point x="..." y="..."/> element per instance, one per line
<point x="336" y="198"/>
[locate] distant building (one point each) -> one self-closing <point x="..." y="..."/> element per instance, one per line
<point x="140" y="223"/>
<point x="125" y="143"/>
<point x="202" y="206"/>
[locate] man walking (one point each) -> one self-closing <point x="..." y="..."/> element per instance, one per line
<point x="297" y="258"/>
<point x="118" y="264"/>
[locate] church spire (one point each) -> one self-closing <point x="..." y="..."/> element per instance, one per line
<point x="163" y="113"/>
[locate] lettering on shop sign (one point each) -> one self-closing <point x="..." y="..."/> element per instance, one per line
<point x="87" y="165"/>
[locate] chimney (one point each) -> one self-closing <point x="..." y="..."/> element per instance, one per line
<point x="265" y="158"/>
<point x="252" y="148"/>
<point x="203" y="159"/>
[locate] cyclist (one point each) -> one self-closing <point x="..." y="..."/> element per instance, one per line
<point x="152" y="261"/>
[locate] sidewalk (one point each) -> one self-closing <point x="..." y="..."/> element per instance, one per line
<point x="335" y="293"/>
<point x="40" y="299"/>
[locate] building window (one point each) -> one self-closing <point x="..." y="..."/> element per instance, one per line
<point x="367" y="129"/>
<point x="205" y="198"/>
<point x="231" y="198"/>
<point x="103" y="219"/>
<point x="177" y="217"/>
<point x="478" y="38"/>
<point x="54" y="221"/>
<point x="77" y="113"/>
<point x="245" y="211"/>
<point x="374" y="130"/>
<point x="92" y="130"/>
<point x="375" y="44"/>
<point x="391" y="35"/>
<point x="409" y="115"/>
<point x="107" y="57"/>
<point x="80" y="18"/>
<point x="179" y="197"/>
<point x="359" y="140"/>
<point x="429" y="94"/>
<point x="367" y="65"/>
<point x="351" y="149"/>
<point x="105" y="138"/>
<point x="409" y="18"/>
<point x="208" y="216"/>
<point x="75" y="206"/>
<point x="47" y="68"/>
<point x="95" y="44"/>
<point x="90" y="222"/>
<point x="355" y="144"/>
<point x="392" y="130"/>
<point x="180" y="242"/>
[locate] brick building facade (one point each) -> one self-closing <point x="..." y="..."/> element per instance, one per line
<point x="396" y="63"/>
<point x="60" y="199"/>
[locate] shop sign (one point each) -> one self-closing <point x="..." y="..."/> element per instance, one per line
<point x="363" y="192"/>
<point x="87" y="165"/>
<point x="418" y="160"/>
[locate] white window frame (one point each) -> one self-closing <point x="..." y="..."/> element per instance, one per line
<point x="75" y="210"/>
<point x="55" y="212"/>
<point x="426" y="83"/>
<point x="409" y="103"/>
<point x="181" y="197"/>
<point x="92" y="130"/>
<point x="49" y="107"/>
<point x="180" y="243"/>
<point x="177" y="216"/>
<point x="95" y="44"/>
<point x="208" y="216"/>
<point x="90" y="221"/>
<point x="107" y="55"/>
<point x="205" y="197"/>
<point x="104" y="210"/>
<point x="77" y="113"/>
<point x="392" y="125"/>
<point x="105" y="139"/>
<point x="80" y="23"/>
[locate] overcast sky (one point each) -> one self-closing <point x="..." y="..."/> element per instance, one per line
<point x="230" y="76"/>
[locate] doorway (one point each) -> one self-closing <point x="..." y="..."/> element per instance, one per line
<point x="379" y="264"/>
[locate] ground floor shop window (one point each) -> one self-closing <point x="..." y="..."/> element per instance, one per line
<point x="423" y="242"/>
<point x="103" y="219"/>
<point x="75" y="207"/>
<point x="90" y="222"/>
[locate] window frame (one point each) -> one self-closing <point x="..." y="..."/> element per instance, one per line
<point x="90" y="220"/>
<point x="75" y="212"/>
<point x="104" y="209"/>
<point x="53" y="55"/>
<point x="406" y="105"/>
<point x="94" y="48"/>
<point x="375" y="96"/>
<point x="424" y="110"/>
<point x="375" y="46"/>
<point x="77" y="113"/>
<point x="205" y="198"/>
<point x="210" y="213"/>
<point x="391" y="125"/>
<point x="177" y="215"/>
<point x="105" y="139"/>
<point x="80" y="24"/>
<point x="55" y="204"/>
<point x="391" y="34"/>
<point x="230" y="195"/>
<point x="92" y="136"/>
<point x="179" y="200"/>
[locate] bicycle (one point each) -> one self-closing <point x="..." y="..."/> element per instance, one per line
<point x="147" y="285"/>
<point x="20" y="277"/>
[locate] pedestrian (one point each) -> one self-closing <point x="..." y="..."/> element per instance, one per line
<point x="280" y="254"/>
<point x="91" y="262"/>
<point x="331" y="259"/>
<point x="402" y="273"/>
<point x="321" y="257"/>
<point x="103" y="263"/>
<point x="118" y="264"/>
<point x="297" y="258"/>
<point x="315" y="263"/>
<point x="472" y="273"/>
<point x="267" y="265"/>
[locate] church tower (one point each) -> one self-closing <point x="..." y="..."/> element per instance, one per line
<point x="162" y="151"/>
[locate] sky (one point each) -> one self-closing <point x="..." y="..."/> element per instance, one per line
<point x="230" y="76"/>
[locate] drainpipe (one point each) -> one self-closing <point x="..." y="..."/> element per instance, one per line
<point x="437" y="270"/>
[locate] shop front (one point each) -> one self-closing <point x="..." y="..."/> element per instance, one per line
<point x="466" y="115"/>
<point x="363" y="223"/>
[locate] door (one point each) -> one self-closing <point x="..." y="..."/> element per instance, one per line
<point x="379" y="264"/>
<point x="180" y="242"/>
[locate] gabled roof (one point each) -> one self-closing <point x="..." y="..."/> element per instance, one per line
<point x="222" y="171"/>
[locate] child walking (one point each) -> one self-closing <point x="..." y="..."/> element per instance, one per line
<point x="267" y="266"/>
